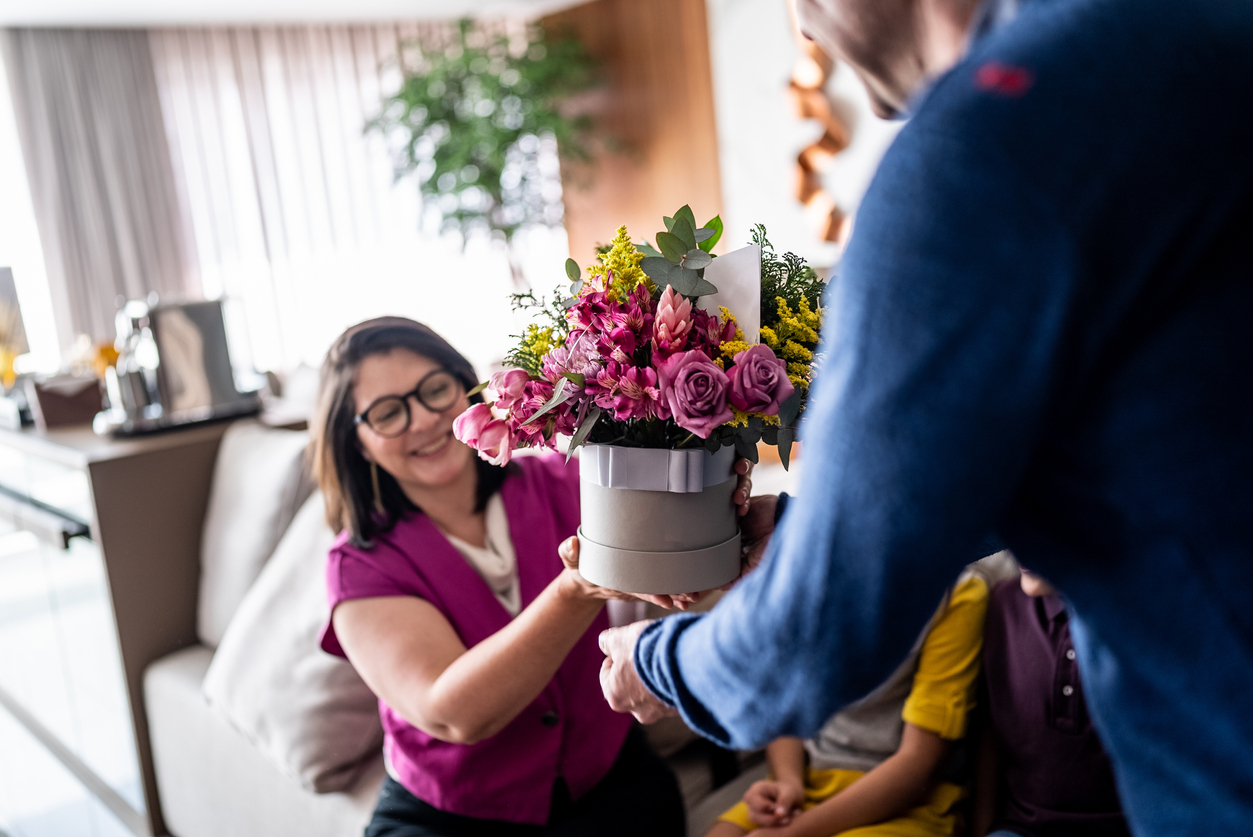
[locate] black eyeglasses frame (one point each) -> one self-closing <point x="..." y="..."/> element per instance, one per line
<point x="416" y="392"/>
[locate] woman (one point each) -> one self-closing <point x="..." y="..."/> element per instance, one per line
<point x="448" y="596"/>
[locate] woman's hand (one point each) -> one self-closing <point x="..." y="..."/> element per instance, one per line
<point x="773" y="803"/>
<point x="579" y="587"/>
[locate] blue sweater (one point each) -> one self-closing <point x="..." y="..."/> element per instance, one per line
<point x="1043" y="328"/>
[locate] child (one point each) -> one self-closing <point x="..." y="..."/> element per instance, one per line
<point x="879" y="766"/>
<point x="1042" y="772"/>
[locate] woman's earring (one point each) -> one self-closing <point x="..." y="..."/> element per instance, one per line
<point x="378" y="495"/>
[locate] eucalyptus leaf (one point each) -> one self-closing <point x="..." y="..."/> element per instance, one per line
<point x="656" y="268"/>
<point x="713" y="444"/>
<point x="697" y="259"/>
<point x="790" y="409"/>
<point x="672" y="247"/>
<point x="771" y="434"/>
<point x="786" y="436"/>
<point x="575" y="287"/>
<point x="572" y="270"/>
<point x="745" y="449"/>
<point x="478" y="388"/>
<point x="704" y="234"/>
<point x="685" y="212"/>
<point x="560" y="396"/>
<point x="686" y="232"/>
<point x="704" y="288"/>
<point x="715" y="224"/>
<point x="756" y="424"/>
<point x="684" y="281"/>
<point x="567" y="304"/>
<point x="575" y="378"/>
<point x="585" y="429"/>
<point x="648" y="249"/>
<point x="669" y="222"/>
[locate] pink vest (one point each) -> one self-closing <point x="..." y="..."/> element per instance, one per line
<point x="567" y="731"/>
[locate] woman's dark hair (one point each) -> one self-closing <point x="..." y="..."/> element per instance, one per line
<point x="342" y="472"/>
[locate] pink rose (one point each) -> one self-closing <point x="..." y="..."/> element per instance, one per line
<point x="694" y="390"/>
<point x="759" y="382"/>
<point x="505" y="387"/>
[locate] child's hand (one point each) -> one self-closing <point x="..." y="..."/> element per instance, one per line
<point x="773" y="803"/>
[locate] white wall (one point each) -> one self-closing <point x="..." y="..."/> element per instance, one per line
<point x="753" y="50"/>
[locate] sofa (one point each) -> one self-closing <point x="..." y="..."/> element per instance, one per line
<point x="254" y="730"/>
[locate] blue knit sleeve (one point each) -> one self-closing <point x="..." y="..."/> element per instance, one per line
<point x="943" y="336"/>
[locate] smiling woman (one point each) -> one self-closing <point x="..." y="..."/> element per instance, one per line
<point x="449" y="597"/>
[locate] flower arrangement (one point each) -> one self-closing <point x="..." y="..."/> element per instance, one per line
<point x="632" y="358"/>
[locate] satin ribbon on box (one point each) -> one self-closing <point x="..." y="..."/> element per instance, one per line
<point x="652" y="469"/>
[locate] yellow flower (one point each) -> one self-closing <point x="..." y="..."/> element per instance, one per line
<point x="795" y="351"/>
<point x="739" y="418"/>
<point x="620" y="267"/>
<point x="539" y="340"/>
<point x="769" y="338"/>
<point x="736" y="344"/>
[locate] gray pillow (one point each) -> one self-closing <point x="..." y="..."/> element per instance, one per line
<point x="308" y="712"/>
<point x="259" y="482"/>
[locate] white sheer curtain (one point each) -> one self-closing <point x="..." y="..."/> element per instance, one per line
<point x="98" y="166"/>
<point x="297" y="221"/>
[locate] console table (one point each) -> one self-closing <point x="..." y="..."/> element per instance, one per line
<point x="99" y="554"/>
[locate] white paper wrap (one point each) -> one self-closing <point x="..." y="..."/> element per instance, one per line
<point x="650" y="469"/>
<point x="737" y="276"/>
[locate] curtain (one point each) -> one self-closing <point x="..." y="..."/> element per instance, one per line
<point x="299" y="222"/>
<point x="101" y="180"/>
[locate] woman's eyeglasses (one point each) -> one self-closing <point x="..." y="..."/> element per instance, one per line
<point x="390" y="415"/>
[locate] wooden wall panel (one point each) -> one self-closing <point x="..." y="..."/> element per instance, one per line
<point x="659" y="104"/>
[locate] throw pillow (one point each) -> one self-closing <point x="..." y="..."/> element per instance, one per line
<point x="259" y="482"/>
<point x="307" y="711"/>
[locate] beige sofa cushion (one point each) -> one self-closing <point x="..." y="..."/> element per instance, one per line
<point x="259" y="482"/>
<point x="308" y="712"/>
<point x="215" y="783"/>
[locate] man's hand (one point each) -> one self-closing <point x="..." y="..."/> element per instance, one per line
<point x="756" y="528"/>
<point x="621" y="683"/>
<point x="773" y="803"/>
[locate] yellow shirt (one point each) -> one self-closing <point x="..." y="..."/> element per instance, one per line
<point x="940" y="700"/>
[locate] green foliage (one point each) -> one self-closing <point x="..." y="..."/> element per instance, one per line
<point x="473" y="117"/>
<point x="548" y="332"/>
<point x="683" y="255"/>
<point x="784" y="276"/>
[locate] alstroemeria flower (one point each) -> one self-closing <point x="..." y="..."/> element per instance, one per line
<point x="671" y="326"/>
<point x="694" y="390"/>
<point x="759" y="382"/>
<point x="488" y="435"/>
<point x="496" y="443"/>
<point x="636" y="395"/>
<point x="505" y="387"/>
<point x="468" y="426"/>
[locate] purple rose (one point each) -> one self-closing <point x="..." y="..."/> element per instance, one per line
<point x="759" y="382"/>
<point x="694" y="392"/>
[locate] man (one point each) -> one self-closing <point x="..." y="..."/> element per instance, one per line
<point x="1042" y="329"/>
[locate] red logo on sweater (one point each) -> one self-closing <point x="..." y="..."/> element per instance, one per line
<point x="1003" y="79"/>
